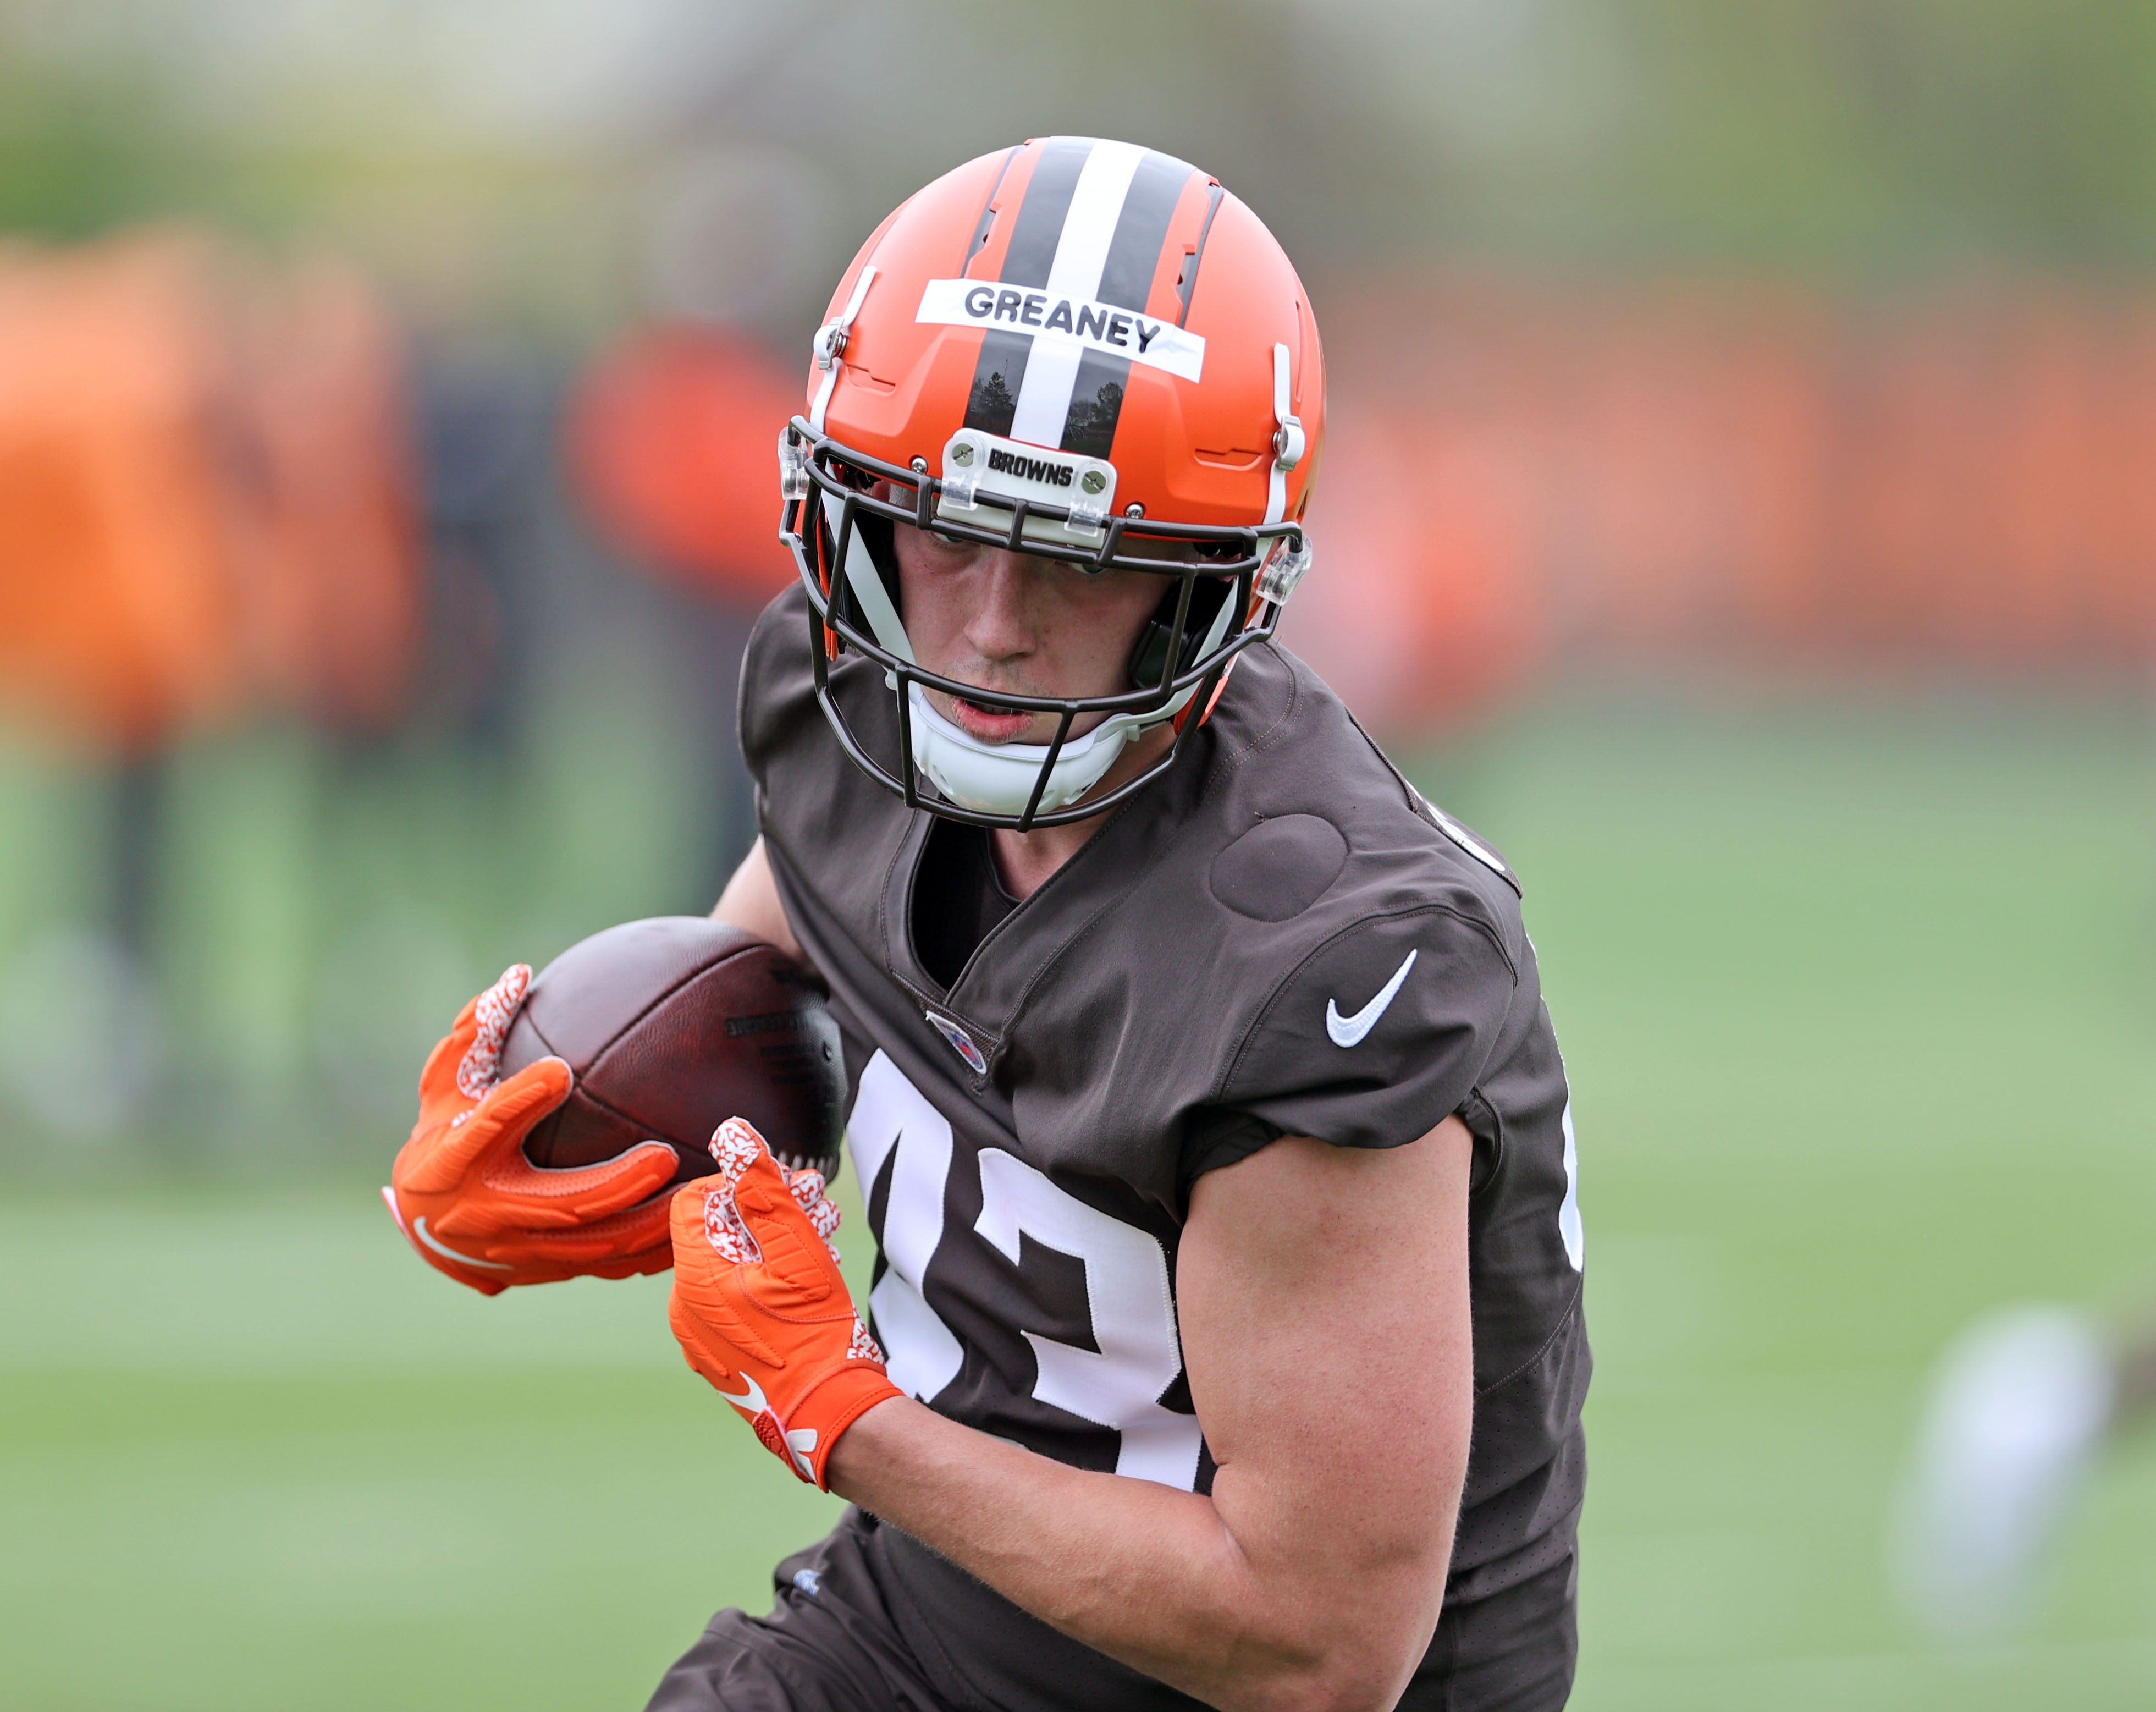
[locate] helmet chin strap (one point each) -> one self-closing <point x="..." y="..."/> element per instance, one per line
<point x="995" y="779"/>
<point x="998" y="779"/>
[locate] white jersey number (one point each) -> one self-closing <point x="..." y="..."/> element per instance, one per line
<point x="889" y="1112"/>
<point x="1126" y="1286"/>
<point x="1569" y="1225"/>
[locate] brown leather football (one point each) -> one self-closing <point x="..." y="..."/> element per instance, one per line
<point x="671" y="1026"/>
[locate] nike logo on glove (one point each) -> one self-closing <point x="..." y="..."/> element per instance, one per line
<point x="1348" y="1030"/>
<point x="427" y="1236"/>
<point x="751" y="1399"/>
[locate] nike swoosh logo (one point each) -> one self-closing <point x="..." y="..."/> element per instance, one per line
<point x="427" y="1237"/>
<point x="751" y="1399"/>
<point x="1348" y="1030"/>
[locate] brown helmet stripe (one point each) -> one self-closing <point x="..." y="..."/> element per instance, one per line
<point x="1096" y="402"/>
<point x="1134" y="252"/>
<point x="998" y="374"/>
<point x="1037" y="227"/>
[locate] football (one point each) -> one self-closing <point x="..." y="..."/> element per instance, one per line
<point x="671" y="1026"/>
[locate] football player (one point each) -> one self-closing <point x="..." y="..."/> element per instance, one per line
<point x="1226" y="1343"/>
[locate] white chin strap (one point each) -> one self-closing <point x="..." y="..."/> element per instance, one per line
<point x="998" y="779"/>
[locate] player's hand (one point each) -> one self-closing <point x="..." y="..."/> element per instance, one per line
<point x="760" y="1308"/>
<point x="475" y="1207"/>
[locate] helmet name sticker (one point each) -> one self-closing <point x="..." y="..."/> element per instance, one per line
<point x="1082" y="323"/>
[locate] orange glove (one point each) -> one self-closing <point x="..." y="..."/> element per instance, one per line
<point x="475" y="1207"/>
<point x="760" y="1308"/>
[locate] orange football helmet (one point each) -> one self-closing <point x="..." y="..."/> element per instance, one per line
<point x="1082" y="350"/>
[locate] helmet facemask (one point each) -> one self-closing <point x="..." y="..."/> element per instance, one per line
<point x="1222" y="589"/>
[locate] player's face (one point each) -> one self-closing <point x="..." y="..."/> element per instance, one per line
<point x="1026" y="626"/>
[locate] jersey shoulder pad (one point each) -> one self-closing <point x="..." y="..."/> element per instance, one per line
<point x="1381" y="1032"/>
<point x="1395" y="951"/>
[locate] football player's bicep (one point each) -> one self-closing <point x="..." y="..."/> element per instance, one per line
<point x="751" y="901"/>
<point x="1324" y="1304"/>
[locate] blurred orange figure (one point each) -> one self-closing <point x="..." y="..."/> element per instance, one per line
<point x="671" y="443"/>
<point x="334" y="594"/>
<point x="203" y="498"/>
<point x="1745" y="472"/>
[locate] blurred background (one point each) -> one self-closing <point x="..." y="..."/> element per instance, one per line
<point x="1740" y="507"/>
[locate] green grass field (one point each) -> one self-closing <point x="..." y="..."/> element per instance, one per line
<point x="1860" y="1006"/>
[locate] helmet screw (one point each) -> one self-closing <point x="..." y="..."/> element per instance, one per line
<point x="1134" y="510"/>
<point x="1093" y="481"/>
<point x="962" y="455"/>
<point x="920" y="466"/>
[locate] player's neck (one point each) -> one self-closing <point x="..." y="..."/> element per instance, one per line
<point x="1024" y="860"/>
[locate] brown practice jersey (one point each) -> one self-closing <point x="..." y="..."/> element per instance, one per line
<point x="1279" y="937"/>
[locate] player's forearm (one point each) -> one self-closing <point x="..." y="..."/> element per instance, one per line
<point x="1156" y="1577"/>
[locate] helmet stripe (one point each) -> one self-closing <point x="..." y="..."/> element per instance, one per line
<point x="1096" y="402"/>
<point x="998" y="376"/>
<point x="1134" y="253"/>
<point x="1082" y="251"/>
<point x="1038" y="231"/>
<point x="1126" y="275"/>
<point x="1089" y="228"/>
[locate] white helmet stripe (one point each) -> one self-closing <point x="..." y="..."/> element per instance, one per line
<point x="1090" y="227"/>
<point x="1051" y="372"/>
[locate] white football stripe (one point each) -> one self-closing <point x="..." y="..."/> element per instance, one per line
<point x="1090" y="228"/>
<point x="1043" y="401"/>
<point x="1051" y="371"/>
